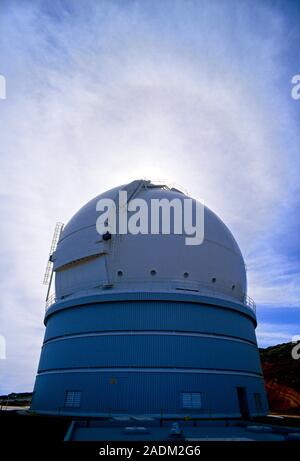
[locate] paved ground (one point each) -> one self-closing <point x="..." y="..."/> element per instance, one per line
<point x="191" y="434"/>
<point x="150" y="430"/>
<point x="30" y="426"/>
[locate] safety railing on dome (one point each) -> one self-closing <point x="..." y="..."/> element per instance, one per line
<point x="51" y="300"/>
<point x="249" y="302"/>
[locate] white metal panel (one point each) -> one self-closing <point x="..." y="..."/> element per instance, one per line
<point x="81" y="276"/>
<point x="83" y="243"/>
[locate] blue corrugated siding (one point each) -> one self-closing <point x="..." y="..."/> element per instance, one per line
<point x="150" y="315"/>
<point x="149" y="351"/>
<point x="145" y="391"/>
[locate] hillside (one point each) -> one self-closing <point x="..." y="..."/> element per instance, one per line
<point x="282" y="377"/>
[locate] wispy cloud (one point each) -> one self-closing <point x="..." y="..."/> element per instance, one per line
<point x="269" y="334"/>
<point x="102" y="93"/>
<point x="273" y="278"/>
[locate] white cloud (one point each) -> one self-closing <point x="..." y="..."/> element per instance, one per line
<point x="270" y="334"/>
<point x="273" y="278"/>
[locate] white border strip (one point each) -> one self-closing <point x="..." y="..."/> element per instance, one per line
<point x="150" y="333"/>
<point x="150" y="370"/>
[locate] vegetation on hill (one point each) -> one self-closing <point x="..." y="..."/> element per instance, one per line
<point x="282" y="377"/>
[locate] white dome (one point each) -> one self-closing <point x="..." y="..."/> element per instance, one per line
<point x="84" y="262"/>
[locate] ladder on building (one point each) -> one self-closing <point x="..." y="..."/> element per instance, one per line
<point x="49" y="268"/>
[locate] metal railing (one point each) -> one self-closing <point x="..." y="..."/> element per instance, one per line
<point x="51" y="300"/>
<point x="249" y="302"/>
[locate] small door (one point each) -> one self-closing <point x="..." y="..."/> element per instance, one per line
<point x="243" y="402"/>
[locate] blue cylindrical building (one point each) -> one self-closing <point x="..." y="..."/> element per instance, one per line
<point x="145" y="324"/>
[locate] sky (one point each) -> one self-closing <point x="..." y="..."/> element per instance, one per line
<point x="99" y="93"/>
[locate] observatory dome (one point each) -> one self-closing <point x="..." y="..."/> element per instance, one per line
<point x="143" y="323"/>
<point x="147" y="261"/>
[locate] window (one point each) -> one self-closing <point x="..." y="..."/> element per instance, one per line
<point x="73" y="399"/>
<point x="258" y="402"/>
<point x="192" y="400"/>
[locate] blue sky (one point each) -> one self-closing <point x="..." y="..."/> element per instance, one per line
<point x="103" y="92"/>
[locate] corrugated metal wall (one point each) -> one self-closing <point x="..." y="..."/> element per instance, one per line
<point x="154" y="393"/>
<point x="150" y="315"/>
<point x="152" y="352"/>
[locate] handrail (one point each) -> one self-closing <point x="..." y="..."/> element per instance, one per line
<point x="51" y="300"/>
<point x="247" y="300"/>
